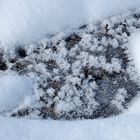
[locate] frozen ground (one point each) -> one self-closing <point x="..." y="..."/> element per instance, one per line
<point x="26" y="21"/>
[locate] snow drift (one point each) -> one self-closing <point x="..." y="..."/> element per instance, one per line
<point x="135" y="49"/>
<point x="13" y="90"/>
<point x="26" y="21"/>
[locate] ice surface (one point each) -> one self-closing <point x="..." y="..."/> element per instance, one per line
<point x="25" y="21"/>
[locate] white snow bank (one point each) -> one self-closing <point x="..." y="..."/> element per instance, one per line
<point x="135" y="52"/>
<point x="126" y="127"/>
<point x="135" y="107"/>
<point x="123" y="127"/>
<point x="25" y="21"/>
<point x="13" y="90"/>
<point x="135" y="49"/>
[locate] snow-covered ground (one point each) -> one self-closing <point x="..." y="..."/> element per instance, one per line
<point x="135" y="49"/>
<point x="14" y="90"/>
<point x="29" y="21"/>
<point x="124" y="127"/>
<point x="25" y="21"/>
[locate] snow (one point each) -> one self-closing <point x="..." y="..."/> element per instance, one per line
<point x="135" y="52"/>
<point x="30" y="20"/>
<point x="118" y="128"/>
<point x="14" y="90"/>
<point x="125" y="126"/>
<point x="135" y="107"/>
<point x="66" y="72"/>
<point x="25" y="21"/>
<point x="135" y="49"/>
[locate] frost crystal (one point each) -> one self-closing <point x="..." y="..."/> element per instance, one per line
<point x="85" y="74"/>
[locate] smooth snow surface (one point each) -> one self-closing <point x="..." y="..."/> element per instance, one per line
<point x="126" y="127"/>
<point x="123" y="127"/>
<point x="13" y="90"/>
<point x="25" y="21"/>
<point x="135" y="108"/>
<point x="135" y="49"/>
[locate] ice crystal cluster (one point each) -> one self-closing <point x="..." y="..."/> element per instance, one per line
<point x="85" y="73"/>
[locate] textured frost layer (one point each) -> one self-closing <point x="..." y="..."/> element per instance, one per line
<point x="88" y="73"/>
